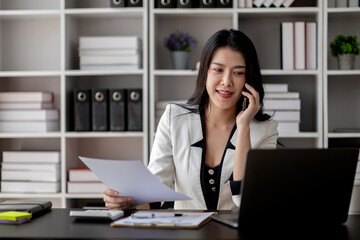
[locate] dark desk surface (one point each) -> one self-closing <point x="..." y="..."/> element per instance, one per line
<point x="57" y="224"/>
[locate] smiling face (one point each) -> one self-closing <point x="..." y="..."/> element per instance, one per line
<point x="225" y="79"/>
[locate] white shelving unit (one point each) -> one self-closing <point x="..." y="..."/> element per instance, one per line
<point x="39" y="51"/>
<point x="341" y="88"/>
<point x="262" y="25"/>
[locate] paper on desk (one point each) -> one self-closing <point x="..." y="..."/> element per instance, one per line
<point x="132" y="178"/>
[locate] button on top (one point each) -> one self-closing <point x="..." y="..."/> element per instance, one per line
<point x="211" y="172"/>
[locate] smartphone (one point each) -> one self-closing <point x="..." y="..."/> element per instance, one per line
<point x="245" y="103"/>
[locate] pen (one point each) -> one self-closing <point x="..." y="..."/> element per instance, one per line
<point x="155" y="215"/>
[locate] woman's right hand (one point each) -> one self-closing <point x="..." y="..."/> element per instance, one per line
<point x="115" y="202"/>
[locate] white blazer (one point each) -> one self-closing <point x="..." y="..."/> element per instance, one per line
<point x="173" y="158"/>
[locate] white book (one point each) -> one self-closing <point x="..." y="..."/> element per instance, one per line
<point x="31" y="156"/>
<point x="268" y="3"/>
<point x="82" y="174"/>
<point x="288" y="127"/>
<point x="110" y="59"/>
<point x="278" y="3"/>
<point x="85" y="187"/>
<point x="287" y="45"/>
<point x="258" y="3"/>
<point x="241" y="4"/>
<point x="108" y="52"/>
<point x="287" y="3"/>
<point x="281" y="104"/>
<point x="30" y="166"/>
<point x="299" y="45"/>
<point x="29" y="126"/>
<point x="31" y="115"/>
<point x="353" y="3"/>
<point x="99" y="67"/>
<point x="106" y="42"/>
<point x="26" y="105"/>
<point x="275" y="87"/>
<point x="26" y="97"/>
<point x="311" y="45"/>
<point x="289" y="116"/>
<point x="281" y="95"/>
<point x="30" y="175"/>
<point x="341" y="3"/>
<point x="249" y="3"/>
<point x="30" y="187"/>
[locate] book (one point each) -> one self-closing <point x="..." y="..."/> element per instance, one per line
<point x="29" y="115"/>
<point x="14" y="215"/>
<point x="26" y="97"/>
<point x="29" y="126"/>
<point x="287" y="45"/>
<point x="17" y="222"/>
<point x="25" y="105"/>
<point x="341" y="3"/>
<point x="30" y="166"/>
<point x="275" y="87"/>
<point x="114" y="59"/>
<point x="258" y="3"/>
<point x="311" y="45"/>
<point x="281" y="104"/>
<point x="278" y="3"/>
<point x="268" y="3"/>
<point x="288" y="127"/>
<point x="241" y="4"/>
<point x="287" y="3"/>
<point x="353" y="3"/>
<point x="33" y="207"/>
<point x="281" y="95"/>
<point x="31" y="156"/>
<point x="110" y="42"/>
<point x="85" y="187"/>
<point x="299" y="45"/>
<point x="82" y="174"/>
<point x="288" y="116"/>
<point x="30" y="175"/>
<point x="108" y="52"/>
<point x="29" y="187"/>
<point x="249" y="3"/>
<point x="110" y="66"/>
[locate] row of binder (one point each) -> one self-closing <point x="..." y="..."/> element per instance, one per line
<point x="126" y="3"/>
<point x="193" y="3"/>
<point x="108" y="109"/>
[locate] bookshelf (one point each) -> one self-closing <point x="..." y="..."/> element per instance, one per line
<point x="39" y="41"/>
<point x="341" y="87"/>
<point x="39" y="51"/>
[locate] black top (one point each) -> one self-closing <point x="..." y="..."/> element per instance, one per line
<point x="210" y="177"/>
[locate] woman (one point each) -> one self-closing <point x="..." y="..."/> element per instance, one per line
<point x="202" y="145"/>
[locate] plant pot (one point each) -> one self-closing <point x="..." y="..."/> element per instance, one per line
<point x="180" y="59"/>
<point x="346" y="61"/>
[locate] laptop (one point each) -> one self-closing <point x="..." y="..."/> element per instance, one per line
<point x="311" y="186"/>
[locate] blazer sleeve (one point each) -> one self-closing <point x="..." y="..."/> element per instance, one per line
<point x="270" y="139"/>
<point x="161" y="158"/>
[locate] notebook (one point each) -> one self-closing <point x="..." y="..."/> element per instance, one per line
<point x="311" y="186"/>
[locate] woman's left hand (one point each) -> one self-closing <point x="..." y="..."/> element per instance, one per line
<point x="246" y="116"/>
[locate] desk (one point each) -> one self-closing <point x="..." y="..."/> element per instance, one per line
<point x="57" y="224"/>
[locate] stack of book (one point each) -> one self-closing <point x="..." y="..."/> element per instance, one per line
<point x="30" y="172"/>
<point x="110" y="53"/>
<point x="299" y="45"/>
<point x="283" y="106"/>
<point x="344" y="4"/>
<point x="28" y="112"/>
<point x="83" y="180"/>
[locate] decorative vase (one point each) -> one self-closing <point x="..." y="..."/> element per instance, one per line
<point x="180" y="59"/>
<point x="346" y="61"/>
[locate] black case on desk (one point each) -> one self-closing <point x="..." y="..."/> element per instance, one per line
<point x="82" y="110"/>
<point x="99" y="109"/>
<point x="117" y="109"/>
<point x="33" y="207"/>
<point x="134" y="109"/>
<point x="134" y="3"/>
<point x="208" y="3"/>
<point x="187" y="3"/>
<point x="224" y="3"/>
<point x="117" y="3"/>
<point x="165" y="3"/>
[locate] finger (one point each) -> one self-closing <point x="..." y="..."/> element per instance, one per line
<point x="252" y="90"/>
<point x="113" y="206"/>
<point x="110" y="192"/>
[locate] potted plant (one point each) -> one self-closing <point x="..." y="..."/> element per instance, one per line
<point x="180" y="44"/>
<point x="345" y="48"/>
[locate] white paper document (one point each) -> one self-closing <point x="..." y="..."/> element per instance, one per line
<point x="133" y="179"/>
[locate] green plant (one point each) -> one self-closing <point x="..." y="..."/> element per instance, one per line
<point x="344" y="45"/>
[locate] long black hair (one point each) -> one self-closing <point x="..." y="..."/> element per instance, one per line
<point x="237" y="41"/>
